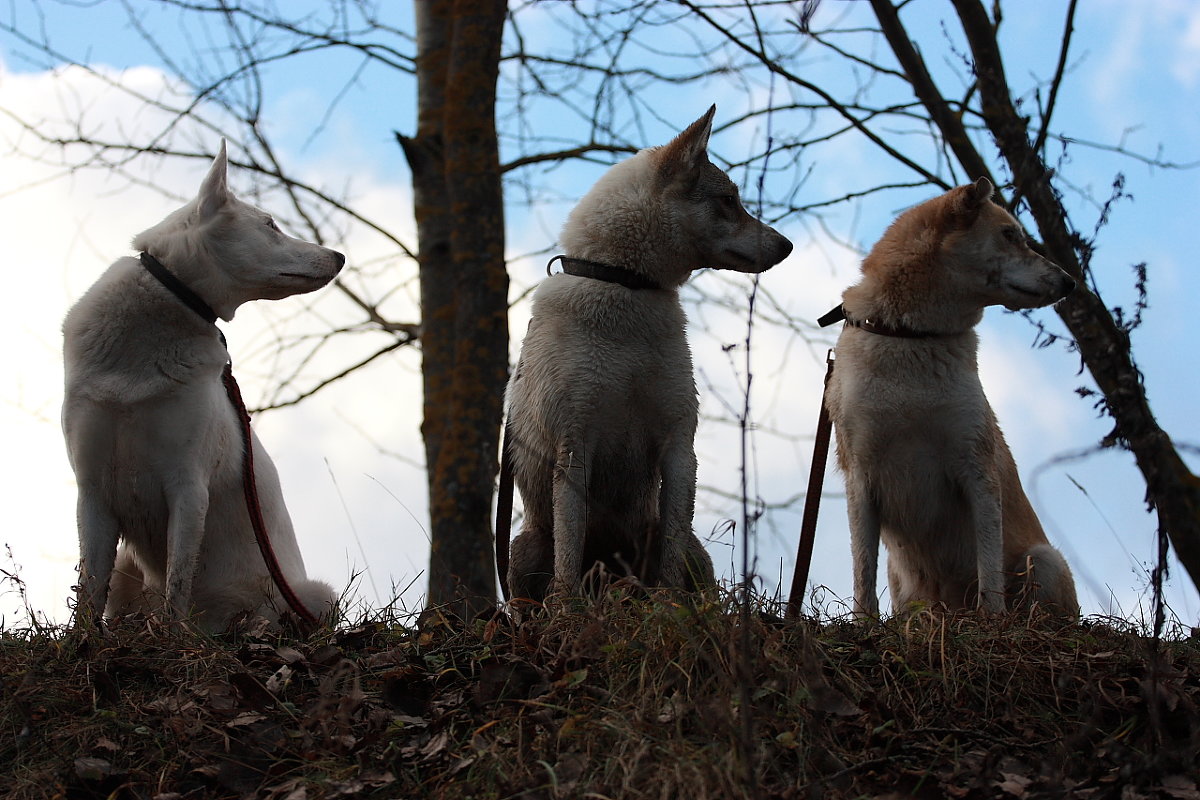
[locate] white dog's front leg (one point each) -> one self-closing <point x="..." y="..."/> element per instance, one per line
<point x="983" y="493"/>
<point x="187" y="509"/>
<point x="864" y="548"/>
<point x="98" y="534"/>
<point x="571" y="473"/>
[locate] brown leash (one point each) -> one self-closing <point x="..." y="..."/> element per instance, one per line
<point x="249" y="486"/>
<point x="250" y="489"/>
<point x="812" y="500"/>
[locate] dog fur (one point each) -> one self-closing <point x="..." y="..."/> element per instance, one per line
<point x="154" y="440"/>
<point x="602" y="407"/>
<point x="926" y="466"/>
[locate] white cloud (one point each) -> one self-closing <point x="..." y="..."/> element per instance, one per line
<point x="1132" y="43"/>
<point x="1186" y="64"/>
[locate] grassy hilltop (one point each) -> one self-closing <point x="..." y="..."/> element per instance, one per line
<point x="622" y="698"/>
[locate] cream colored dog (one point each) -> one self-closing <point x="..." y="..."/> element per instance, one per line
<point x="153" y="438"/>
<point x="926" y="466"/>
<point x="602" y="407"/>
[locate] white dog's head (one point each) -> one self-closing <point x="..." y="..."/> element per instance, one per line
<point x="230" y="252"/>
<point x="668" y="211"/>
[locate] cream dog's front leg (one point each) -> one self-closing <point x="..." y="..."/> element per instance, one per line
<point x="983" y="493"/>
<point x="864" y="548"/>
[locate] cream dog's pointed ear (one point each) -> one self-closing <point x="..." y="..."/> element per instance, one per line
<point x="214" y="191"/>
<point x="689" y="149"/>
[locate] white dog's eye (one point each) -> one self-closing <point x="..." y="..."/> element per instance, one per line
<point x="727" y="202"/>
<point x="273" y="225"/>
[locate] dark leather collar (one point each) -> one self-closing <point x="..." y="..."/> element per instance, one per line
<point x="582" y="268"/>
<point x="839" y="314"/>
<point x="177" y="288"/>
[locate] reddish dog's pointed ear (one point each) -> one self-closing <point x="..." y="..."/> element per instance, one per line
<point x="966" y="201"/>
<point x="981" y="192"/>
<point x="689" y="149"/>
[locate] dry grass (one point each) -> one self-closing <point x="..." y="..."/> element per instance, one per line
<point x="630" y="697"/>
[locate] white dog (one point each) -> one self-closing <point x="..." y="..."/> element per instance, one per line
<point x="602" y="407"/>
<point x="925" y="463"/>
<point x="154" y="440"/>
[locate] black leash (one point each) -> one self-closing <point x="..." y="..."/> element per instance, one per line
<point x="249" y="486"/>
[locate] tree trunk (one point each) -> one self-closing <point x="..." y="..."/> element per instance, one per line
<point x="432" y="212"/>
<point x="464" y="289"/>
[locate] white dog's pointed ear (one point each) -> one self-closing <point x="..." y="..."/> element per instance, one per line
<point x="214" y="191"/>
<point x="689" y="149"/>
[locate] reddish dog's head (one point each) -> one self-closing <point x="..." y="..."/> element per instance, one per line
<point x="942" y="262"/>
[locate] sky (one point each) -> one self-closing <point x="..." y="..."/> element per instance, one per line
<point x="350" y="457"/>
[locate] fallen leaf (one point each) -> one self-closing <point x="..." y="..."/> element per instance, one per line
<point x="279" y="680"/>
<point x="1016" y="785"/>
<point x="289" y="655"/>
<point x="106" y="744"/>
<point x="92" y="769"/>
<point x="326" y="655"/>
<point x="245" y="718"/>
<point x="824" y="697"/>
<point x="435" y="745"/>
<point x="406" y="721"/>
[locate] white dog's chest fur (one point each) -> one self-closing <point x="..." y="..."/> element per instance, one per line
<point x="139" y="470"/>
<point x="605" y="349"/>
<point x="145" y="408"/>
